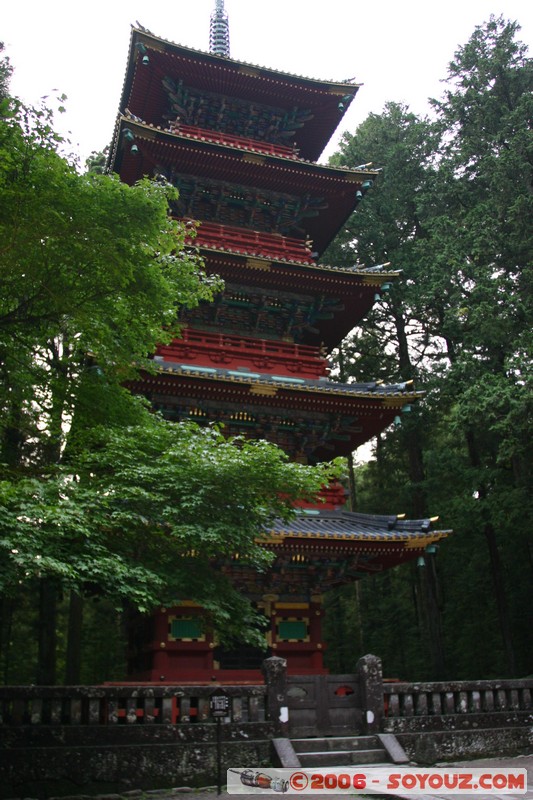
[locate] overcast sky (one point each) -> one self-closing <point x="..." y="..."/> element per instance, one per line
<point x="398" y="50"/>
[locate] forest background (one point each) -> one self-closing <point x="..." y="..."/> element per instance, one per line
<point x="83" y="479"/>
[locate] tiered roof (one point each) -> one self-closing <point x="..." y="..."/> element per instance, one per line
<point x="324" y="417"/>
<point x="252" y="189"/>
<point x="240" y="143"/>
<point x="322" y="550"/>
<point x="165" y="80"/>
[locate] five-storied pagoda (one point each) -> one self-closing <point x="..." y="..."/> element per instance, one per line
<point x="240" y="142"/>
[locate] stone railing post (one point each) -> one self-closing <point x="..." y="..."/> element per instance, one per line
<point x="370" y="675"/>
<point x="275" y="673"/>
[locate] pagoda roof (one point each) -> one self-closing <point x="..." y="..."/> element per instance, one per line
<point x="327" y="195"/>
<point x="319" y="550"/>
<point x="398" y="394"/>
<point x="355" y="527"/>
<point x="351" y="291"/>
<point x="143" y="92"/>
<point x="370" y="406"/>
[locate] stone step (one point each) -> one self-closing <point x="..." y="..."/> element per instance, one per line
<point x="342" y="758"/>
<point x="336" y="743"/>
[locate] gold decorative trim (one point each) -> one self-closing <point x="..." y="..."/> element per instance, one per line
<point x="395" y="401"/>
<point x="267" y="391"/>
<point x="252" y="158"/>
<point x="257" y="263"/>
<point x="278" y="620"/>
<point x="353" y="178"/>
<point x="179" y="618"/>
<point x="147" y="133"/>
<point x="249" y="71"/>
<point x="343" y="90"/>
<point x="422" y="542"/>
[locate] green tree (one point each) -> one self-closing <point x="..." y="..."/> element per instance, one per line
<point x="459" y="321"/>
<point x="479" y="253"/>
<point x="88" y="267"/>
<point x="97" y="161"/>
<point x="97" y="494"/>
<point x="5" y="74"/>
<point x="149" y="513"/>
<point x="394" y="343"/>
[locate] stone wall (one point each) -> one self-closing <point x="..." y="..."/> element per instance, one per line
<point x="98" y="739"/>
<point x="65" y="760"/>
<point x="431" y="747"/>
<point x="460" y="720"/>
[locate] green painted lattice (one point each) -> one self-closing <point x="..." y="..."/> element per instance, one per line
<point x="292" y="629"/>
<point x="186" y="629"/>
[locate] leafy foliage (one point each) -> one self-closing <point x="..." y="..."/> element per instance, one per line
<point x="103" y="499"/>
<point x="91" y="268"/>
<point x="98" y="496"/>
<point x="5" y="74"/>
<point x="452" y="209"/>
<point x="149" y="513"/>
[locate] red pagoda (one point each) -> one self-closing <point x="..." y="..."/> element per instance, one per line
<point x="240" y="143"/>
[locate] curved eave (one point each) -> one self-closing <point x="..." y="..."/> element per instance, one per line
<point x="349" y="546"/>
<point x="145" y="130"/>
<point x="355" y="290"/>
<point x="354" y="275"/>
<point x="410" y="541"/>
<point x="375" y="407"/>
<point x="393" y="395"/>
<point x="143" y="93"/>
<point x="159" y="150"/>
<point x="385" y="537"/>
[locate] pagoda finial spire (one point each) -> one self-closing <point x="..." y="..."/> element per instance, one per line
<point x="219" y="31"/>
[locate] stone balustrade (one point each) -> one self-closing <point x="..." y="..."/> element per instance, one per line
<point x="125" y="705"/>
<point x="59" y="737"/>
<point x="457" y="697"/>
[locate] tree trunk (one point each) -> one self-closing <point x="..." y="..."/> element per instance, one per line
<point x="433" y="618"/>
<point x="12" y="441"/>
<point x="495" y="562"/>
<point x="12" y="438"/>
<point x="46" y="636"/>
<point x="428" y="579"/>
<point x="404" y="359"/>
<point x="59" y="388"/>
<point x="417" y="473"/>
<point x="73" y="660"/>
<point x="412" y="436"/>
<point x="351" y="474"/>
<point x="351" y="483"/>
<point x="501" y="598"/>
<point x="6" y="622"/>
